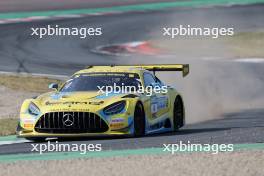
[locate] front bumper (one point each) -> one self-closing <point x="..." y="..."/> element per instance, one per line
<point x="22" y="134"/>
<point x="127" y="129"/>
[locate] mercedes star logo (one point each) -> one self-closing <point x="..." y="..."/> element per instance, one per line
<point x="68" y="120"/>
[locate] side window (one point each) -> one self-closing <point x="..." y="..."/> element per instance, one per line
<point x="148" y="79"/>
<point x="159" y="82"/>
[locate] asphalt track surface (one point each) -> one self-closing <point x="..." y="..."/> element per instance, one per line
<point x="235" y="128"/>
<point x="19" y="52"/>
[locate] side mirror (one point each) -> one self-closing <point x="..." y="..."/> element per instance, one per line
<point x="54" y="86"/>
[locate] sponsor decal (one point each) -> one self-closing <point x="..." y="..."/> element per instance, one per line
<point x="117" y="123"/>
<point x="159" y="103"/>
<point x="72" y="109"/>
<point x="28" y="120"/>
<point x="118" y="120"/>
<point x="96" y="102"/>
<point x="48" y="103"/>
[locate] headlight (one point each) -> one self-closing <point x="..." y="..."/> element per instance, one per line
<point x="115" y="108"/>
<point x="33" y="109"/>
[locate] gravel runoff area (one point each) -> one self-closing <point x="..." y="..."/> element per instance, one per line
<point x="238" y="163"/>
<point x="11" y="101"/>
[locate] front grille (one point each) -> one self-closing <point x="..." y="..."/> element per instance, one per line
<point x="70" y="122"/>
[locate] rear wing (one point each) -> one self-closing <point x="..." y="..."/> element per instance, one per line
<point x="184" y="68"/>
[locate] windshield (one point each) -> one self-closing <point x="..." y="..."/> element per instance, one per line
<point x="92" y="81"/>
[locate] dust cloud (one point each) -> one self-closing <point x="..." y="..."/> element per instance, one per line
<point x="213" y="89"/>
<point x="216" y="86"/>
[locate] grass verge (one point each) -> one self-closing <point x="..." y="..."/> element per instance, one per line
<point x="240" y="45"/>
<point x="8" y="126"/>
<point x="247" y="44"/>
<point x="27" y="83"/>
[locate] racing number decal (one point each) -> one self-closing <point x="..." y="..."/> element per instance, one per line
<point x="158" y="104"/>
<point x="154" y="108"/>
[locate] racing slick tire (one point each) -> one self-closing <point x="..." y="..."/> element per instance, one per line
<point x="178" y="113"/>
<point x="139" y="121"/>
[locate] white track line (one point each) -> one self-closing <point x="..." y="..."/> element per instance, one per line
<point x="13" y="142"/>
<point x="250" y="60"/>
<point x="62" y="77"/>
<point x="68" y="16"/>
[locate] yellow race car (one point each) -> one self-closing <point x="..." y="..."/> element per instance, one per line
<point x="105" y="100"/>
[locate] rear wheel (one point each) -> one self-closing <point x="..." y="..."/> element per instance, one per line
<point x="178" y="114"/>
<point x="139" y="120"/>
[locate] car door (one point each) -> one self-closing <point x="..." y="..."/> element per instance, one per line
<point x="158" y="99"/>
<point x="162" y="98"/>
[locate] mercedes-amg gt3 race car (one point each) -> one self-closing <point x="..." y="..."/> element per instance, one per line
<point x="96" y="101"/>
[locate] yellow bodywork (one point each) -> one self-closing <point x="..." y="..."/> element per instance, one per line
<point x="93" y="102"/>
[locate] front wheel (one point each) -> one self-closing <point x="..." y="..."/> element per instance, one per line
<point x="139" y="120"/>
<point x="178" y="114"/>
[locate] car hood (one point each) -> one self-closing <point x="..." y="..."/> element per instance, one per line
<point x="62" y="101"/>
